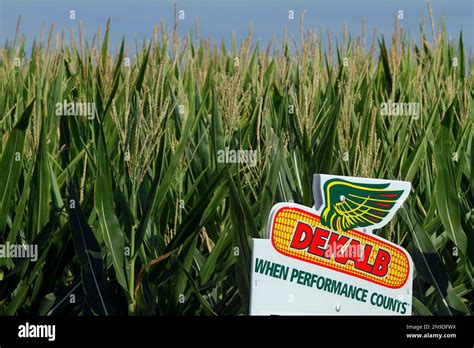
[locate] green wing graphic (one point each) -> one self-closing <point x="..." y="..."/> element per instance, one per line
<point x="349" y="205"/>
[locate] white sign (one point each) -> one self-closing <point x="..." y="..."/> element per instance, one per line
<point x="327" y="261"/>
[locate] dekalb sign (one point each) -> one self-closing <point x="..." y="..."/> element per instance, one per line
<point x="325" y="259"/>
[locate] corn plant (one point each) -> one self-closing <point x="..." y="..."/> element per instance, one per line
<point x="134" y="212"/>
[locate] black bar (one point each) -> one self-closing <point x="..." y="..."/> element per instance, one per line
<point x="347" y="330"/>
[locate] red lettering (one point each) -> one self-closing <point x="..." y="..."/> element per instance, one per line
<point x="349" y="253"/>
<point x="362" y="261"/>
<point x="319" y="240"/>
<point x="381" y="263"/>
<point x="335" y="243"/>
<point x="302" y="230"/>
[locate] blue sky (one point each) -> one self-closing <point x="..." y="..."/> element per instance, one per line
<point x="218" y="19"/>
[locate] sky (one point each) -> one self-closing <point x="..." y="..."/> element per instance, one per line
<point x="134" y="19"/>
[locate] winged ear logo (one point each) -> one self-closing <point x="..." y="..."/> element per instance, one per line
<point x="346" y="203"/>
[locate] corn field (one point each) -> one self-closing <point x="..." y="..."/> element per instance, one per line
<point x="134" y="213"/>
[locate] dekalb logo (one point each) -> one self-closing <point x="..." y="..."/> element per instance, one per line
<point x="320" y="241"/>
<point x="350" y="205"/>
<point x="338" y="235"/>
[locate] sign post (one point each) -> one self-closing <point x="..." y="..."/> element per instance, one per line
<point x="325" y="260"/>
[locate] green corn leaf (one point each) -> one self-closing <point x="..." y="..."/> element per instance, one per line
<point x="89" y="253"/>
<point x="109" y="224"/>
<point x="447" y="195"/>
<point x="11" y="163"/>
